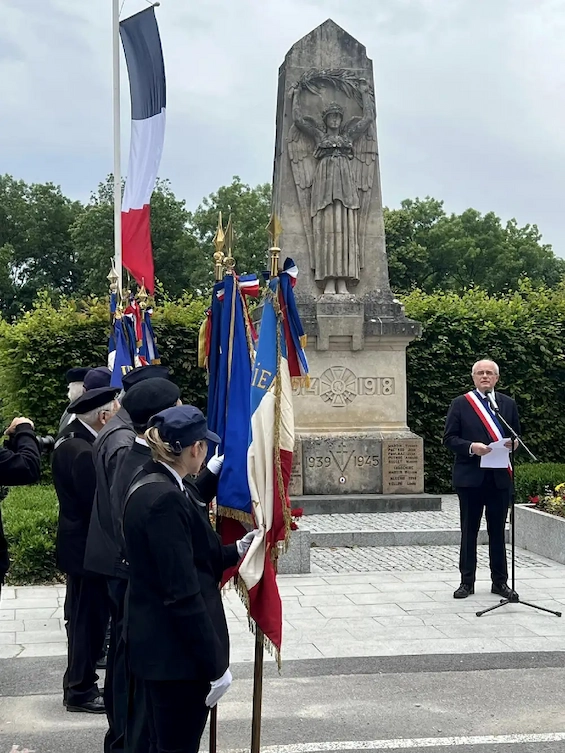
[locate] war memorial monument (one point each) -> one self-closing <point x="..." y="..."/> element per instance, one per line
<point x="351" y="423"/>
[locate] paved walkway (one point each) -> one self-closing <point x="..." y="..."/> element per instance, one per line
<point x="384" y="612"/>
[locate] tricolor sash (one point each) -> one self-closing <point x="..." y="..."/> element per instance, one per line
<point x="486" y="419"/>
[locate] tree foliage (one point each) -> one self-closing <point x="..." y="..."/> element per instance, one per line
<point x="35" y="246"/>
<point x="250" y="209"/>
<point x="430" y="250"/>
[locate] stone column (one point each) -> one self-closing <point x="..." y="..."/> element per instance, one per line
<point x="352" y="432"/>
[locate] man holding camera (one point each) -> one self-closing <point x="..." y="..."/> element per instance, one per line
<point x="19" y="465"/>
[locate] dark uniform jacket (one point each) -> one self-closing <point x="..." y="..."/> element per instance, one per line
<point x="20" y="464"/>
<point x="176" y="626"/>
<point x="103" y="554"/>
<point x="75" y="483"/>
<point x="462" y="427"/>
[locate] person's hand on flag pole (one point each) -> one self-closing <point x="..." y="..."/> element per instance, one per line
<point x="244" y="543"/>
<point x="215" y="463"/>
<point x="219" y="688"/>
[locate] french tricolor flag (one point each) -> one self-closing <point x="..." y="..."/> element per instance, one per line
<point x="146" y="69"/>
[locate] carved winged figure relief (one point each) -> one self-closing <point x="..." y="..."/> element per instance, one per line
<point x="333" y="165"/>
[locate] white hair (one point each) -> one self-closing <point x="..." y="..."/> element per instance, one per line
<point x="486" y="360"/>
<point x="75" y="390"/>
<point x="91" y="417"/>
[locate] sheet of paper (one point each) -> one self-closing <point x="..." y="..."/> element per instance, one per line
<point x="498" y="457"/>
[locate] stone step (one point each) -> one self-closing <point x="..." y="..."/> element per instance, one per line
<point x="405" y="558"/>
<point x="418" y="528"/>
<point x="366" y="503"/>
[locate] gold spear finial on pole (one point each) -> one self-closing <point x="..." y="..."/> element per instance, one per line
<point x="274" y="228"/>
<point x="219" y="242"/>
<point x="142" y="297"/>
<point x="229" y="261"/>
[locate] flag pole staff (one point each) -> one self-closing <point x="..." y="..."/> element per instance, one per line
<point x="274" y="229"/>
<point x="219" y="240"/>
<point x="117" y="146"/>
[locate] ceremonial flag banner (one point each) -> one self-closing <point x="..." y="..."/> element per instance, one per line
<point x="146" y="69"/>
<point x="122" y="356"/>
<point x="269" y="461"/>
<point x="233" y="398"/>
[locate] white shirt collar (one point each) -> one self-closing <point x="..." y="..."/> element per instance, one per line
<point x="86" y="426"/>
<point x="141" y="441"/>
<point x="482" y="394"/>
<point x="177" y="477"/>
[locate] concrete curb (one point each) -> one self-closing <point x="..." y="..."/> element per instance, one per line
<point x="393" y="538"/>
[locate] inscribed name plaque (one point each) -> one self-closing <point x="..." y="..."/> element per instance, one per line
<point x="295" y="485"/>
<point x="403" y="466"/>
<point x="341" y="465"/>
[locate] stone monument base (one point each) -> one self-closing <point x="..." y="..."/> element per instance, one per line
<point x="348" y="463"/>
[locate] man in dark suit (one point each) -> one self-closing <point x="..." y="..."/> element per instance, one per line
<point x="86" y="603"/>
<point x="471" y="425"/>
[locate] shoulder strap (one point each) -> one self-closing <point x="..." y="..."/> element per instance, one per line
<point x="63" y="439"/>
<point x="151" y="478"/>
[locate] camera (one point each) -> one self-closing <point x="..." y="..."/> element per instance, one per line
<point x="46" y="444"/>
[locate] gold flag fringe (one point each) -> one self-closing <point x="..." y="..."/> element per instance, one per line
<point x="268" y="644"/>
<point x="243" y="517"/>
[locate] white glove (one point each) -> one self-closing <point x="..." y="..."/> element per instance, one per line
<point x="244" y="543"/>
<point x="218" y="688"/>
<point x="215" y="464"/>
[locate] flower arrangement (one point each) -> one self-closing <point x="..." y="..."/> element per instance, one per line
<point x="295" y="514"/>
<point x="552" y="502"/>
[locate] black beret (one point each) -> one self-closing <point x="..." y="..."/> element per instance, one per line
<point x="152" y="371"/>
<point x="77" y="374"/>
<point x="98" y="377"/>
<point x="93" y="399"/>
<point x="149" y="397"/>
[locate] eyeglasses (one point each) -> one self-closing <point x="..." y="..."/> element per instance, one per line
<point x="484" y="373"/>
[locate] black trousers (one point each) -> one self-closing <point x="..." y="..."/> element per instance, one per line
<point x="472" y="502"/>
<point x="116" y="680"/>
<point x="177" y="714"/>
<point x="86" y="613"/>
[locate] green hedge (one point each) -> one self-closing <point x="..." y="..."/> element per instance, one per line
<point x="36" y="352"/>
<point x="533" y="479"/>
<point x="524" y="333"/>
<point x="30" y="524"/>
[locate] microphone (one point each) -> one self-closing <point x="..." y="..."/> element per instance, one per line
<point x="489" y="396"/>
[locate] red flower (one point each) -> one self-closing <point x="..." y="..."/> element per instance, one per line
<point x="534" y="500"/>
<point x="293" y="526"/>
<point x="298" y="512"/>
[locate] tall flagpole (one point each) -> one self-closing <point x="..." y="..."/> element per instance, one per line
<point x="117" y="146"/>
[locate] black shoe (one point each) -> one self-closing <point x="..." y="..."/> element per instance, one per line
<point x="464" y="590"/>
<point x="504" y="590"/>
<point x="96" y="706"/>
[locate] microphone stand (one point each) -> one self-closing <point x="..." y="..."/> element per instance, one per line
<point x="515" y="438"/>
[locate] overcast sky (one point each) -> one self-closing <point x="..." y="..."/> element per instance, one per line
<point x="470" y="95"/>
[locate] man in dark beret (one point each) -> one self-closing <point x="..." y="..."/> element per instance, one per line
<point x="86" y="603"/>
<point x="75" y="382"/>
<point x="98" y="377"/>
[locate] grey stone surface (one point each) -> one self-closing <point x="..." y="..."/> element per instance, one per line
<point x="296" y="560"/>
<point x="401" y="558"/>
<point x="326" y="176"/>
<point x="341" y="465"/>
<point x="327" y="66"/>
<point x="403" y="466"/>
<point x="540" y="532"/>
<point x="430" y="537"/>
<point x="332" y="504"/>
